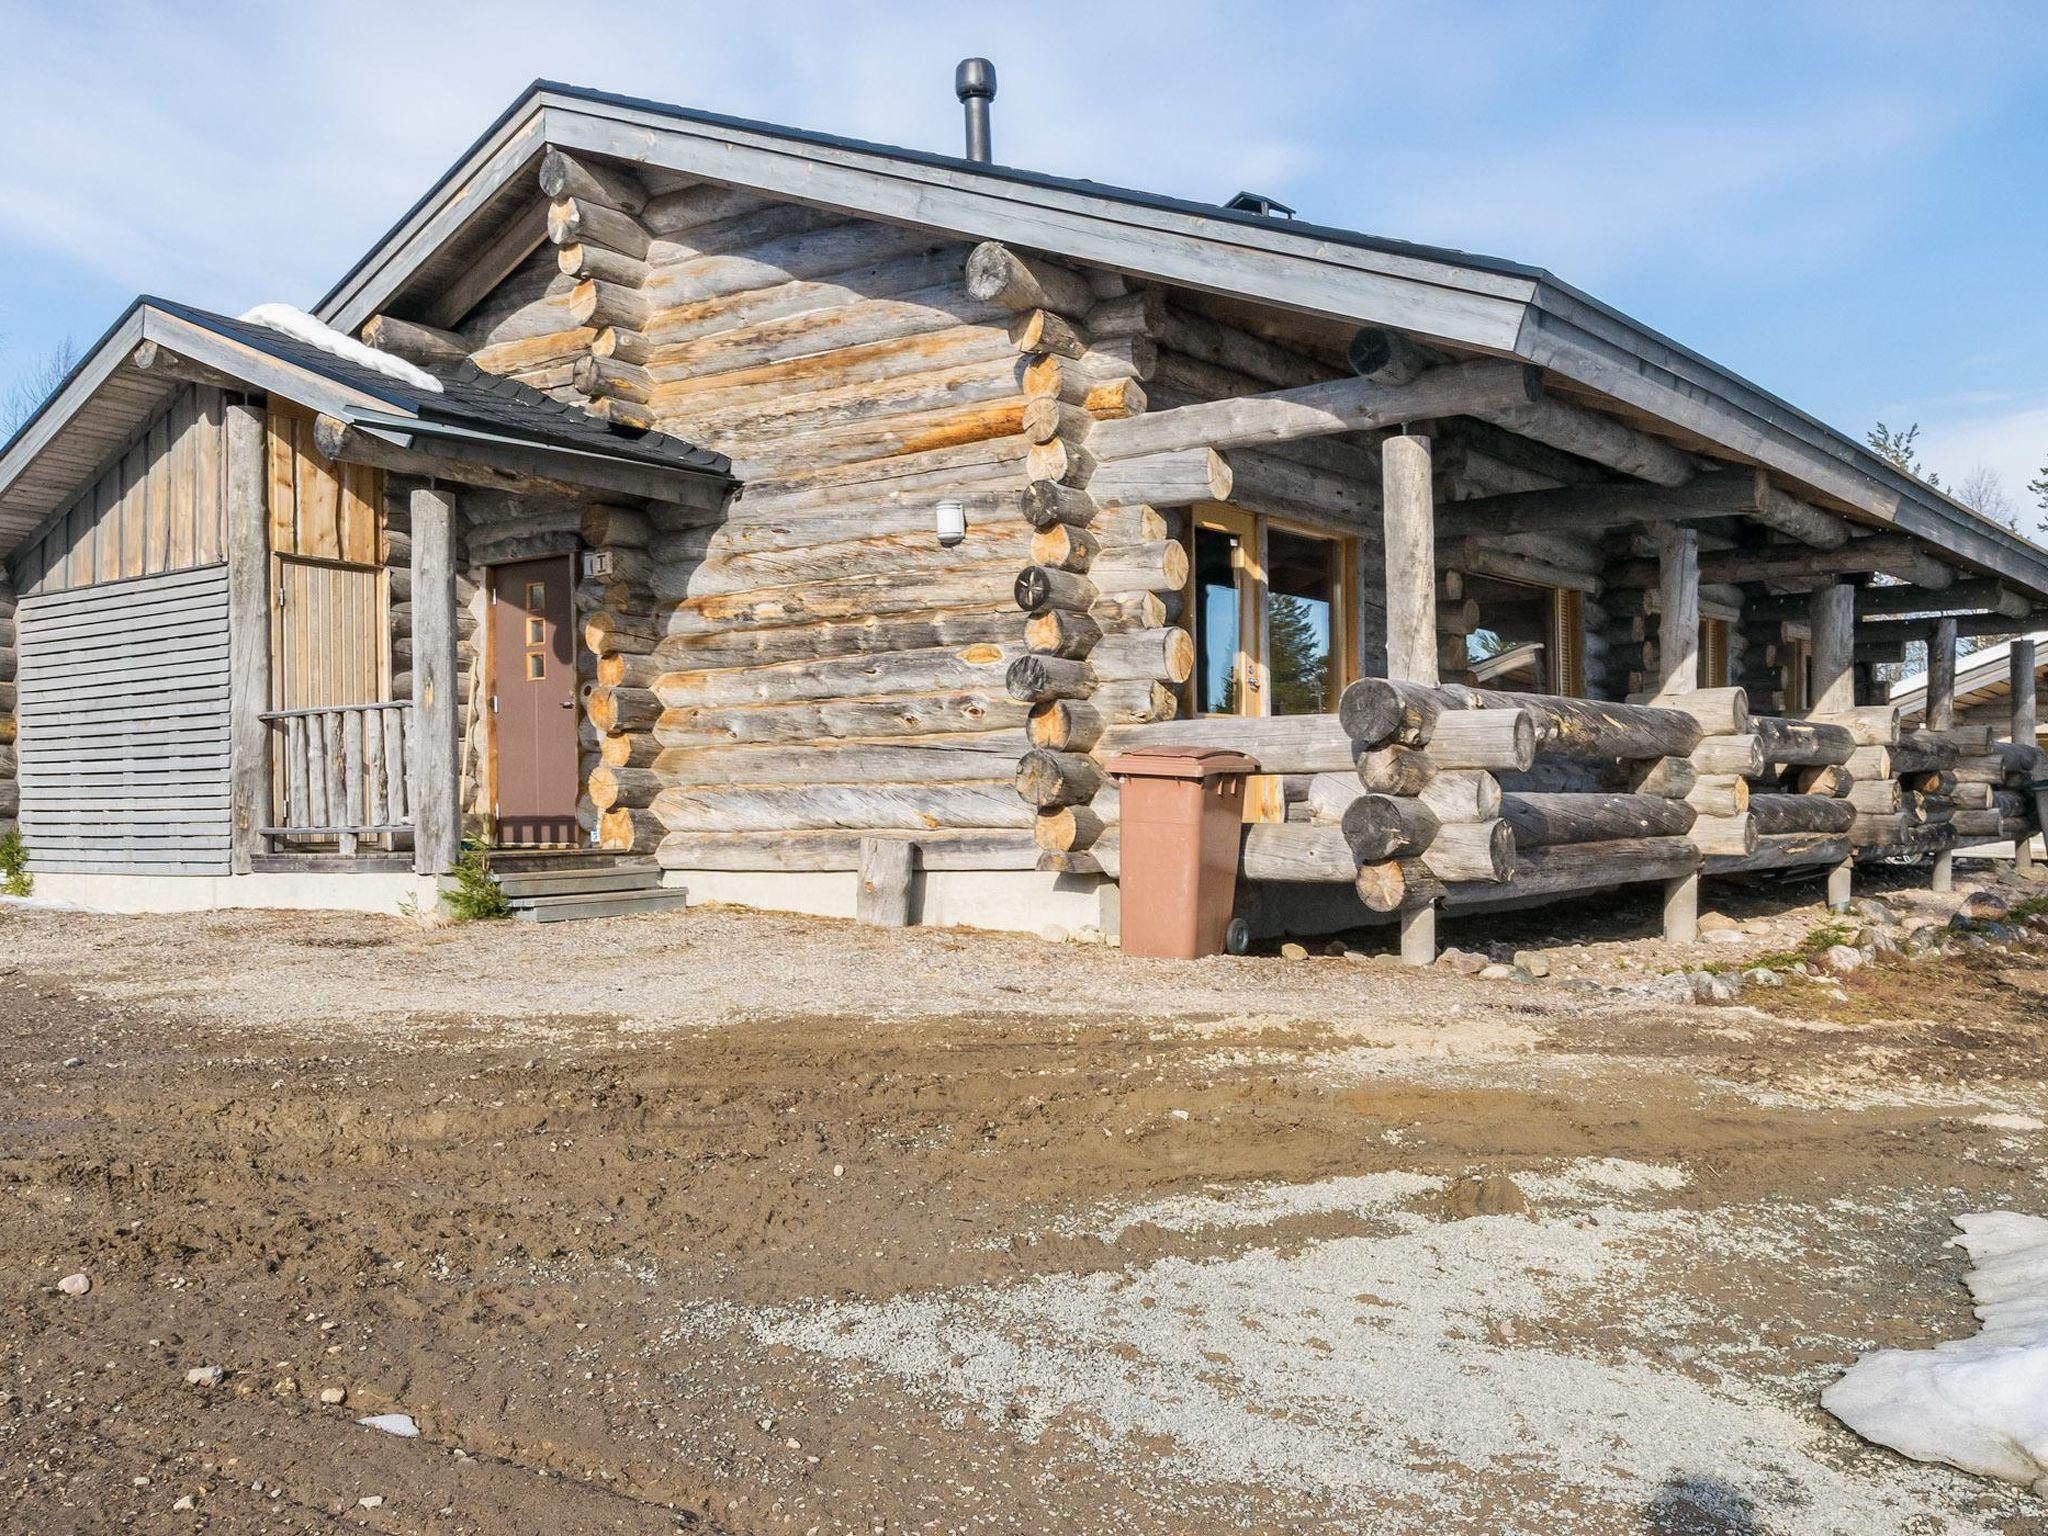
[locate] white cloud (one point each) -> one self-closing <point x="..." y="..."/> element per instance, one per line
<point x="2011" y="440"/>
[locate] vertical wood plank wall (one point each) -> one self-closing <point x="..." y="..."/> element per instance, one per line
<point x="158" y="508"/>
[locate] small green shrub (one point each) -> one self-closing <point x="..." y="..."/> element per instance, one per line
<point x="476" y="897"/>
<point x="15" y="880"/>
<point x="1812" y="947"/>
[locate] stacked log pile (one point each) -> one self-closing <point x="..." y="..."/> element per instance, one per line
<point x="1993" y="792"/>
<point x="1797" y="786"/>
<point x="1458" y="795"/>
<point x="1904" y="784"/>
<point x="10" y="792"/>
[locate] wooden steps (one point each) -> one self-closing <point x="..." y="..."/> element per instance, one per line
<point x="562" y="887"/>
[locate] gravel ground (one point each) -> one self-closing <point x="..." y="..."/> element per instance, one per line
<point x="721" y="1221"/>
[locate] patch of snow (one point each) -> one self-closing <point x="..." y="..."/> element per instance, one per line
<point x="2009" y="1122"/>
<point x="301" y="326"/>
<point x="1980" y="1403"/>
<point x="399" y="1424"/>
<point x="1601" y="1177"/>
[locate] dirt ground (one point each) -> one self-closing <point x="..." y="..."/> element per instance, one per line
<point x="716" y="1221"/>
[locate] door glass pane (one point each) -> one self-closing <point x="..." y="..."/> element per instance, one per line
<point x="1216" y="622"/>
<point x="1301" y="611"/>
<point x="1511" y="648"/>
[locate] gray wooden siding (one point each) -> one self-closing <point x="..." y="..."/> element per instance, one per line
<point x="124" y="727"/>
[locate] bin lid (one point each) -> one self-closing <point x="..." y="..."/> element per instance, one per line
<point x="1163" y="762"/>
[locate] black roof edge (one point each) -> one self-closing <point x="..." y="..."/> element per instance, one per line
<point x="1016" y="174"/>
<point x="91" y="352"/>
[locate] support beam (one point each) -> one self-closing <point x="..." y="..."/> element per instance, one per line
<point x="437" y="814"/>
<point x="426" y="345"/>
<point x="1678" y="657"/>
<point x="1410" y="524"/>
<point x="1973" y="625"/>
<point x="2026" y="733"/>
<point x="1831" y="616"/>
<point x="1315" y="410"/>
<point x="1895" y="554"/>
<point x="159" y="361"/>
<point x="248" y="553"/>
<point x="1982" y="594"/>
<point x="1941" y="675"/>
<point x="1678" y="610"/>
<point x="1409" y="513"/>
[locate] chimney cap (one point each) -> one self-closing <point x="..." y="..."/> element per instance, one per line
<point x="1259" y="203"/>
<point x="974" y="77"/>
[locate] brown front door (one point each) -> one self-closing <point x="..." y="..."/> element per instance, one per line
<point x="533" y="686"/>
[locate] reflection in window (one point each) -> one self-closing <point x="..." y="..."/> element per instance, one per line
<point x="1512" y="648"/>
<point x="1217" y="632"/>
<point x="1301" y="607"/>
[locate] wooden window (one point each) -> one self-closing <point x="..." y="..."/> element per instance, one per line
<point x="1530" y="639"/>
<point x="1273" y="611"/>
<point x="1713" y="653"/>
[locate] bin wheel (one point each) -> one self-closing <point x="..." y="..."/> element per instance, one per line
<point x="1237" y="938"/>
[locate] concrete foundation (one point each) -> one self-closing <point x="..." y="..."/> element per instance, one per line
<point x="1006" y="900"/>
<point x="382" y="891"/>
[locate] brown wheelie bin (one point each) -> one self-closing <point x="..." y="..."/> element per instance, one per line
<point x="1181" y="819"/>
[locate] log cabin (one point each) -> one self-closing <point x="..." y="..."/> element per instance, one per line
<point x="679" y="504"/>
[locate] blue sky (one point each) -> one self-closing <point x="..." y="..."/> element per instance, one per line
<point x="1843" y="202"/>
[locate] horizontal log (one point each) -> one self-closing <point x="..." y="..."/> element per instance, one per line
<point x="1491" y="739"/>
<point x="1718" y="711"/>
<point x="1047" y="779"/>
<point x="1878" y="797"/>
<point x="1282" y="744"/>
<point x="1802" y="742"/>
<point x="1592" y="728"/>
<point x="1036" y="679"/>
<point x="1733" y="836"/>
<point x="1296" y="851"/>
<point x="633" y="787"/>
<point x="1462" y="795"/>
<point x="998" y="275"/>
<point x="1396" y="885"/>
<point x="1070" y="828"/>
<point x="1394" y="770"/>
<point x="1672" y="777"/>
<point x="1163" y="480"/>
<point x="938" y="848"/>
<point x="862" y="807"/>
<point x="912" y="715"/>
<point x="1584" y="867"/>
<point x="1719" y="795"/>
<point x="1739" y="755"/>
<point x="620" y="709"/>
<point x="1831" y="779"/>
<point x="1776" y="814"/>
<point x="1548" y="820"/>
<point x="1785" y="850"/>
<point x="870" y="675"/>
<point x="1870" y="725"/>
<point x="945" y="758"/>
<point x="1380" y="827"/>
<point x="1471" y="850"/>
<point x="1316" y="410"/>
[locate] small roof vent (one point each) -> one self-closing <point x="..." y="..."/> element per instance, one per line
<point x="1259" y="203"/>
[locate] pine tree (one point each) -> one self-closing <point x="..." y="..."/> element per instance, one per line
<point x="1300" y="652"/>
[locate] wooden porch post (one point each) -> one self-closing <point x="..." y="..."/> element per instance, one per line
<point x="2025" y="733"/>
<point x="437" y="819"/>
<point x="1832" y="615"/>
<point x="1941" y="716"/>
<point x="1410" y="538"/>
<point x="1678" y="671"/>
<point x="248" y="552"/>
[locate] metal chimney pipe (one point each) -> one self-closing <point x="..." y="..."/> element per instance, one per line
<point x="974" y="82"/>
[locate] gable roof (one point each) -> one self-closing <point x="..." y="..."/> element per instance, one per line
<point x="1475" y="302"/>
<point x="106" y="399"/>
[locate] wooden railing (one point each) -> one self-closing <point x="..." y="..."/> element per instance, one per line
<point x="343" y="772"/>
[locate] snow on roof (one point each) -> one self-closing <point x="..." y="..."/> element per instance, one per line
<point x="297" y="323"/>
<point x="1973" y="1403"/>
